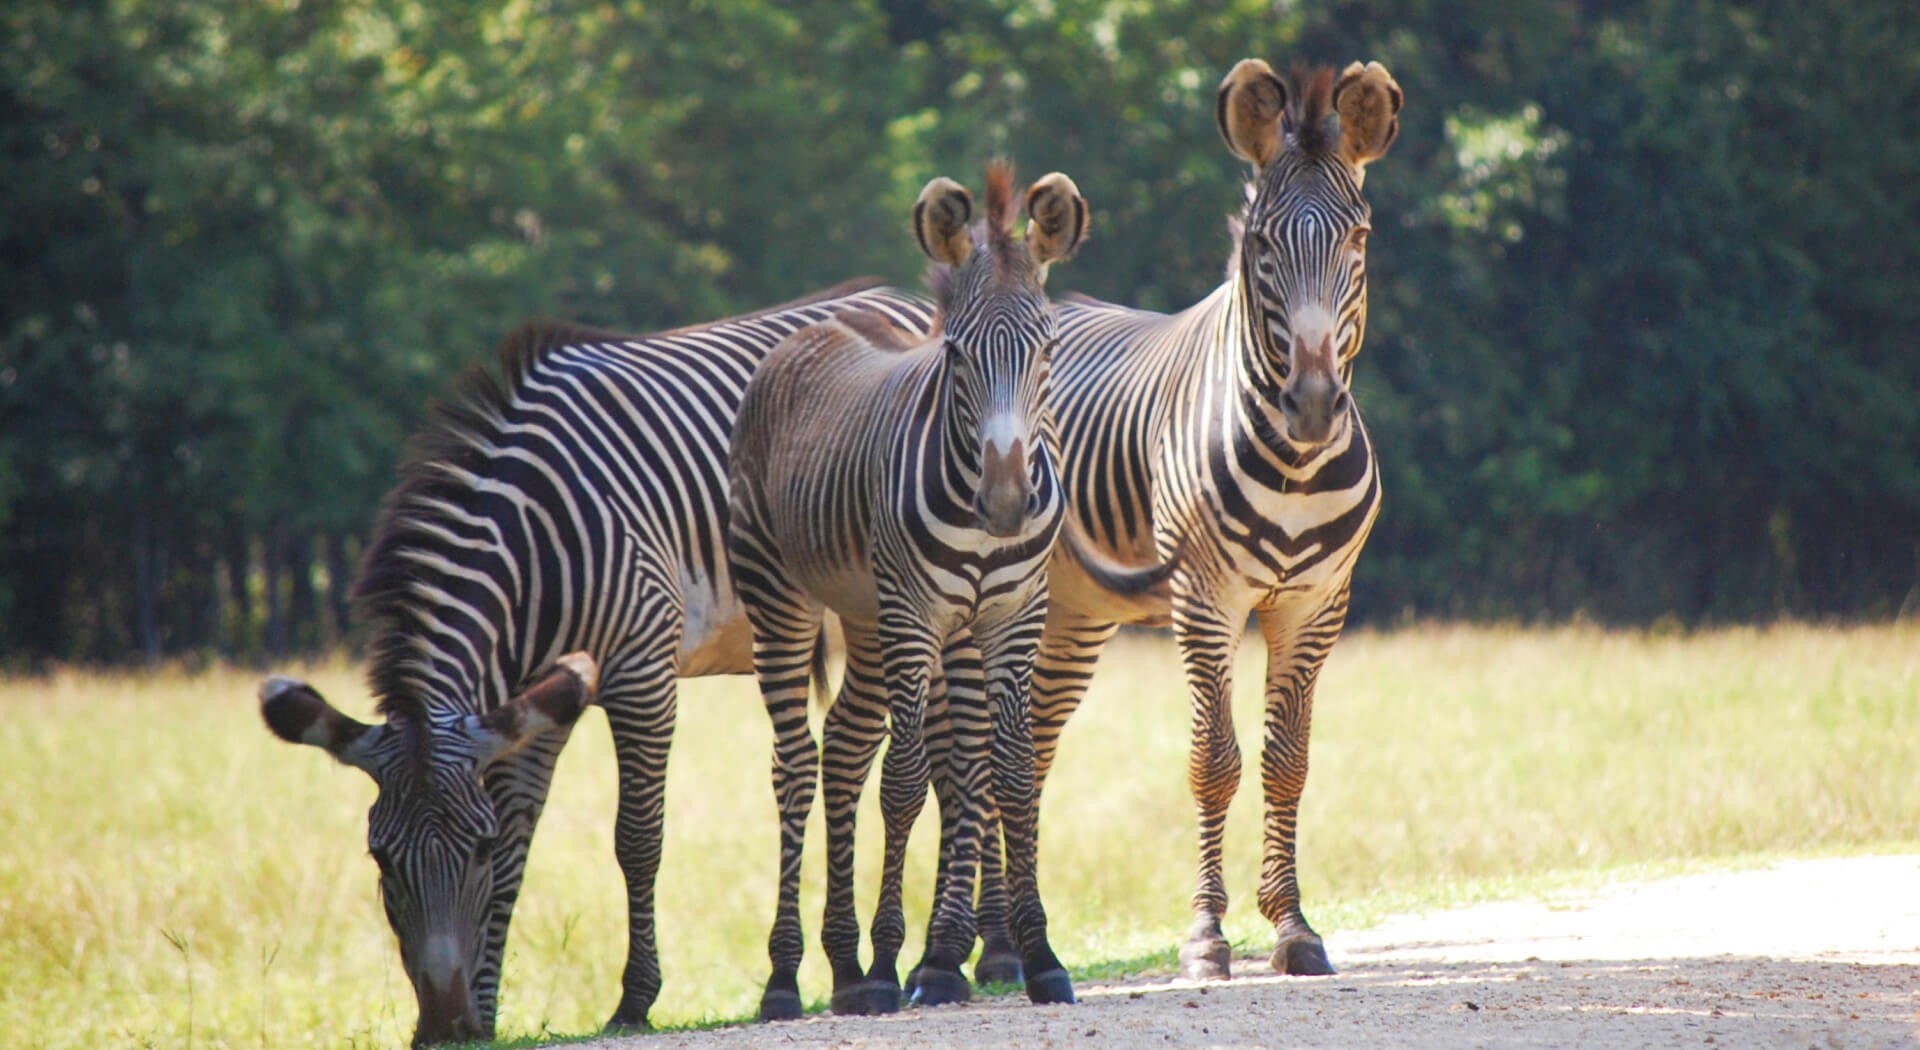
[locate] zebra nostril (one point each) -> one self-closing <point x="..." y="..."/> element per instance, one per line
<point x="1033" y="504"/>
<point x="1340" y="402"/>
<point x="1288" y="403"/>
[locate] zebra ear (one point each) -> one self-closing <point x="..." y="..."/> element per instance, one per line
<point x="554" y="701"/>
<point x="296" y="713"/>
<point x="940" y="219"/>
<point x="1368" y="102"/>
<point x="1056" y="219"/>
<point x="1248" y="110"/>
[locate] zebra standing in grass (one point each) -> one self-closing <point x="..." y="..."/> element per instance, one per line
<point x="909" y="486"/>
<point x="1228" y="432"/>
<point x="579" y="506"/>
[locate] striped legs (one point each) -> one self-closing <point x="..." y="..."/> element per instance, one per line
<point x="1208" y="638"/>
<point x="1008" y="649"/>
<point x="959" y="728"/>
<point x="1069" y="649"/>
<point x="854" y="727"/>
<point x="518" y="786"/>
<point x="784" y="629"/>
<point x="641" y="716"/>
<point x="1297" y="646"/>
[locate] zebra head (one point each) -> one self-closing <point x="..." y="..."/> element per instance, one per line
<point x="432" y="827"/>
<point x="998" y="328"/>
<point x="1303" y="236"/>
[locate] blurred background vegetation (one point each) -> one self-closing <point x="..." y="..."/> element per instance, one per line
<point x="1645" y="289"/>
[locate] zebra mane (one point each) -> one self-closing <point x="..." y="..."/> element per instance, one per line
<point x="448" y="448"/>
<point x="1309" y="120"/>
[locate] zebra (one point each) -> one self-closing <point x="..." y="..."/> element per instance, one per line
<point x="577" y="507"/>
<point x="909" y="485"/>
<point x="1228" y="431"/>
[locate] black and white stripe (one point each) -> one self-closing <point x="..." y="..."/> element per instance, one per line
<point x="909" y="487"/>
<point x="578" y="505"/>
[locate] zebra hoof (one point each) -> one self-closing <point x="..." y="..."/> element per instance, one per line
<point x="850" y="1001"/>
<point x="1206" y="959"/>
<point x="999" y="964"/>
<point x="882" y="997"/>
<point x="779" y="1004"/>
<point x="1053" y="986"/>
<point x="940" y="987"/>
<point x="1302" y="957"/>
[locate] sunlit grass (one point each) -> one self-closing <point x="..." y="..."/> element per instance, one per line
<point x="172" y="874"/>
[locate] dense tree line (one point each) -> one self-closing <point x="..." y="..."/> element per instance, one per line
<point x="1643" y="305"/>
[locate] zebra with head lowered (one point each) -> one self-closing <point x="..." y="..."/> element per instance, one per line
<point x="1228" y="432"/>
<point x="911" y="487"/>
<point x="578" y="507"/>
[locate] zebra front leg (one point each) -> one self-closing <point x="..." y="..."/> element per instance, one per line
<point x="518" y="786"/>
<point x="1069" y="648"/>
<point x="1208" y="638"/>
<point x="1295" y="653"/>
<point x="959" y="731"/>
<point x="909" y="651"/>
<point x="782" y="655"/>
<point x="1009" y="648"/>
<point x="642" y="719"/>
<point x="854" y="727"/>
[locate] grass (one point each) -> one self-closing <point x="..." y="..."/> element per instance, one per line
<point x="174" y="877"/>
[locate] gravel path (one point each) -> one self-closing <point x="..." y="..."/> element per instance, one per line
<point x="1802" y="954"/>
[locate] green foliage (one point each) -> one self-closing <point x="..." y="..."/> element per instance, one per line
<point x="1641" y="335"/>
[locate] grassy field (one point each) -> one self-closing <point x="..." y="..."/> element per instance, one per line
<point x="174" y="877"/>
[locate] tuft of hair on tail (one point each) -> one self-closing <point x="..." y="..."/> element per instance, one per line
<point x="817" y="668"/>
<point x="1126" y="580"/>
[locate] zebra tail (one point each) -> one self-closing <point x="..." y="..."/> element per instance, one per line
<point x="818" y="669"/>
<point x="1132" y="581"/>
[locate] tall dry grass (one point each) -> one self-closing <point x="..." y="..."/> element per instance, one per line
<point x="172" y="876"/>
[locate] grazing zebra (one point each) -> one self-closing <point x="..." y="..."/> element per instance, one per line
<point x="909" y="486"/>
<point x="1228" y="431"/>
<point x="579" y="506"/>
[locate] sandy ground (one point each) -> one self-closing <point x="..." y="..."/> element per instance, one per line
<point x="1821" y="954"/>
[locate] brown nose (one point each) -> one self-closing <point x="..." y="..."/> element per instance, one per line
<point x="447" y="1014"/>
<point x="1006" y="498"/>
<point x="1313" y="399"/>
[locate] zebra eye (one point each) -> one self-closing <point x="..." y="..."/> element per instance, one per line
<point x="1359" y="237"/>
<point x="381" y="858"/>
<point x="483" y="848"/>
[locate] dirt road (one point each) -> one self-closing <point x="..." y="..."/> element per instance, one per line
<point x="1803" y="954"/>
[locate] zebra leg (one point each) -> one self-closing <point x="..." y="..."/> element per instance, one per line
<point x="854" y="727"/>
<point x="1208" y="639"/>
<point x="1296" y="650"/>
<point x="1008" y="649"/>
<point x="909" y="651"/>
<point x="1069" y="648"/>
<point x="784" y="629"/>
<point x="642" y="720"/>
<point x="518" y="787"/>
<point x="958" y="742"/>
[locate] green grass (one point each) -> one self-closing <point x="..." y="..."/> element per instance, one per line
<point x="173" y="876"/>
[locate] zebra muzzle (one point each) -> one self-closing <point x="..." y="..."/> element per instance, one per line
<point x="1007" y="498"/>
